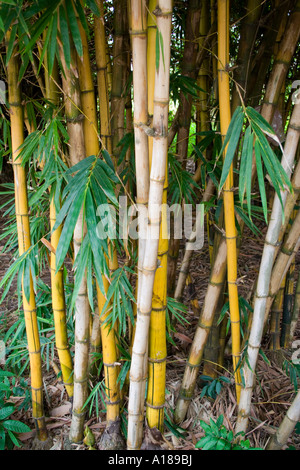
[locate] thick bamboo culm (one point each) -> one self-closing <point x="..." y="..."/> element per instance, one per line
<point x="102" y="79"/>
<point x="264" y="282"/>
<point x="109" y="356"/>
<point x="57" y="281"/>
<point x="287" y="306"/>
<point x="138" y="23"/>
<point x="296" y="310"/>
<point x="71" y="90"/>
<point x="118" y="77"/>
<point x="279" y="440"/>
<point x="163" y="13"/>
<point x="188" y="69"/>
<point x="228" y="195"/>
<point x="185" y="265"/>
<point x="157" y="331"/>
<point x="219" y="268"/>
<point x="59" y="309"/>
<point x="248" y="32"/>
<point x="283" y="261"/>
<point x="275" y="318"/>
<point x="24" y="243"/>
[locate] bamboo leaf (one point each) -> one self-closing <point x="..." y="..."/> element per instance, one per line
<point x="261" y="182"/>
<point x="64" y="31"/>
<point x="74" y="29"/>
<point x="68" y="229"/>
<point x="234" y="131"/>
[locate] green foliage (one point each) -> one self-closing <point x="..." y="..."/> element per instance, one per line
<point x="91" y="184"/>
<point x="292" y="370"/>
<point x="181" y="183"/>
<point x="10" y="427"/>
<point x="175" y="312"/>
<point x="217" y="437"/>
<point x="119" y="299"/>
<point x="255" y="139"/>
<point x="214" y="386"/>
<point x="29" y="21"/>
<point x="182" y="84"/>
<point x="244" y="307"/>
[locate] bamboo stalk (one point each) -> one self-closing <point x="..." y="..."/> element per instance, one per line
<point x="71" y="89"/>
<point x="279" y="440"/>
<point x="57" y="282"/>
<point x="188" y="69"/>
<point x="264" y="282"/>
<point x="219" y="268"/>
<point x="102" y="79"/>
<point x="287" y="306"/>
<point x="184" y="269"/>
<point x="163" y="13"/>
<point x="275" y="319"/>
<point x="296" y="310"/>
<point x="248" y="33"/>
<point x="24" y="243"/>
<point x="119" y="77"/>
<point x="157" y="331"/>
<point x="283" y="261"/>
<point x="228" y="195"/>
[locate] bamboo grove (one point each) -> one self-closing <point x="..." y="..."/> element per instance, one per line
<point x="119" y="119"/>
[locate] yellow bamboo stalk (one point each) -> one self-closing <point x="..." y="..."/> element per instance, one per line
<point x="109" y="352"/>
<point x="228" y="195"/>
<point x="24" y="243"/>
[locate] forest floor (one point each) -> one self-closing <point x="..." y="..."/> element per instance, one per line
<point x="273" y="391"/>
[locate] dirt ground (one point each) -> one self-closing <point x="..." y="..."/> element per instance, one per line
<point x="272" y="395"/>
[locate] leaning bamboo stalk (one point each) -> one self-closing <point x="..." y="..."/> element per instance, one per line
<point x="228" y="195"/>
<point x="188" y="69"/>
<point x="296" y="310"/>
<point x="214" y="291"/>
<point x="24" y="243"/>
<point x="279" y="440"/>
<point x="82" y="310"/>
<point x="290" y="202"/>
<point x="219" y="268"/>
<point x="185" y="265"/>
<point x="275" y="318"/>
<point x="163" y="13"/>
<point x="283" y="261"/>
<point x="287" y="306"/>
<point x="264" y="282"/>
